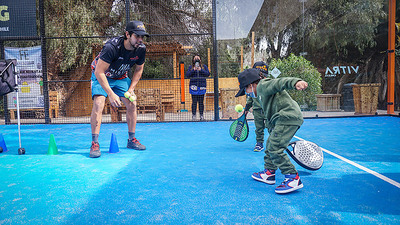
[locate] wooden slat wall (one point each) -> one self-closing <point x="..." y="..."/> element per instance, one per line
<point x="80" y="104"/>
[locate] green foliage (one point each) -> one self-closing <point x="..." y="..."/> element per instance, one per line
<point x="298" y="66"/>
<point x="339" y="24"/>
<point x="397" y="40"/>
<point x="71" y="18"/>
<point x="156" y="69"/>
<point x="228" y="69"/>
<point x="228" y="60"/>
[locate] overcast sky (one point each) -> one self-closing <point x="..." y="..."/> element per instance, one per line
<point x="236" y="17"/>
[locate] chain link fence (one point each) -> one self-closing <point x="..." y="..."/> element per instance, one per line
<point x="55" y="71"/>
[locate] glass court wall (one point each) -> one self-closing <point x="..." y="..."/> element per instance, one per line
<point x="333" y="45"/>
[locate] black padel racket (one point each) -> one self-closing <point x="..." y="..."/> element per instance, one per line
<point x="307" y="154"/>
<point x="239" y="129"/>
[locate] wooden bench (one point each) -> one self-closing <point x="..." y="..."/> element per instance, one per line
<point x="167" y="100"/>
<point x="54" y="106"/>
<point x="148" y="101"/>
<point x="328" y="102"/>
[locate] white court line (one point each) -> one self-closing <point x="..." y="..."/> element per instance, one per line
<point x="387" y="179"/>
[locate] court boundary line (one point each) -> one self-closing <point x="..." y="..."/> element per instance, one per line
<point x="380" y="176"/>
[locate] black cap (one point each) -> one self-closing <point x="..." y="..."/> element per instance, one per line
<point x="245" y="78"/>
<point x="262" y="67"/>
<point x="137" y="27"/>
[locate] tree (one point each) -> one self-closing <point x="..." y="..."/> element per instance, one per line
<point x="338" y="25"/>
<point x="298" y="66"/>
<point x="170" y="17"/>
<point x="350" y="32"/>
<point x="332" y="33"/>
<point x="69" y="59"/>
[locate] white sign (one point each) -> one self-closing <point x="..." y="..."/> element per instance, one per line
<point x="337" y="70"/>
<point x="29" y="67"/>
<point x="275" y="72"/>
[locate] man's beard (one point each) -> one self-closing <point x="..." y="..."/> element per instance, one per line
<point x="134" y="45"/>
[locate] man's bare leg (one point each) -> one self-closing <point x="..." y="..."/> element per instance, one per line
<point x="95" y="123"/>
<point x="131" y="118"/>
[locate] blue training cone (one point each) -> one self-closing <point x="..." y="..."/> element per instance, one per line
<point x="2" y="144"/>
<point x="113" y="144"/>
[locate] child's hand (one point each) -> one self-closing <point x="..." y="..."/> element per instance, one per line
<point x="301" y="85"/>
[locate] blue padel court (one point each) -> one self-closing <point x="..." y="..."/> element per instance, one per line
<point x="195" y="173"/>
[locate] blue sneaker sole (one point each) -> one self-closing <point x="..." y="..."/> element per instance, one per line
<point x="285" y="191"/>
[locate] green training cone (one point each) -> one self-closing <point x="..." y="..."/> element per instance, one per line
<point x="52" y="146"/>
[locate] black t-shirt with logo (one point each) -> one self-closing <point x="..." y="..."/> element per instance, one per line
<point x="120" y="59"/>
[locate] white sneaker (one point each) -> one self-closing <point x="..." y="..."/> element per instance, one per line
<point x="291" y="183"/>
<point x="266" y="176"/>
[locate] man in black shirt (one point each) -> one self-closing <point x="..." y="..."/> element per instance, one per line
<point x="110" y="78"/>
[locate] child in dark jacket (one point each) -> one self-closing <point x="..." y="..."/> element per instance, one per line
<point x="197" y="73"/>
<point x="283" y="119"/>
<point x="258" y="113"/>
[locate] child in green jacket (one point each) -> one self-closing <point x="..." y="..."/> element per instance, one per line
<point x="283" y="119"/>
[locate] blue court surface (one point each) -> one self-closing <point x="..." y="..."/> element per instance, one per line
<point x="195" y="173"/>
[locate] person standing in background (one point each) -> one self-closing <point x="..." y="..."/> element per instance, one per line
<point x="197" y="73"/>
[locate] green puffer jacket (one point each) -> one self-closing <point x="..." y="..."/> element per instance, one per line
<point x="278" y="106"/>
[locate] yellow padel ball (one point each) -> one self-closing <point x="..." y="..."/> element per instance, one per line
<point x="238" y="108"/>
<point x="132" y="98"/>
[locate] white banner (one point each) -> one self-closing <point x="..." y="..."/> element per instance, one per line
<point x="29" y="67"/>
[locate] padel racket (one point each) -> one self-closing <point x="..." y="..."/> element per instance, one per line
<point x="239" y="129"/>
<point x="307" y="154"/>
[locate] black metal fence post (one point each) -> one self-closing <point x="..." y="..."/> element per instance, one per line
<point x="44" y="63"/>
<point x="5" y="103"/>
<point x="127" y="10"/>
<point x="215" y="60"/>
